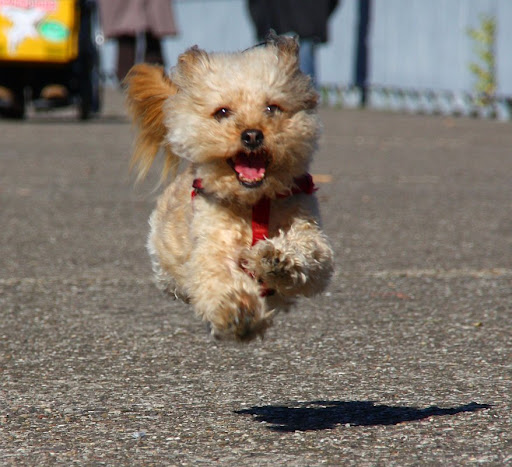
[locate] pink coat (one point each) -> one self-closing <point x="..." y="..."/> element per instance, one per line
<point x="129" y="17"/>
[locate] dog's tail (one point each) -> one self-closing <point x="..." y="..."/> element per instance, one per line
<point x="147" y="89"/>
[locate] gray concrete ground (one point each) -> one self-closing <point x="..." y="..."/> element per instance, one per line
<point x="406" y="360"/>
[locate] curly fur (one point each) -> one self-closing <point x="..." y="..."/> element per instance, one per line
<point x="201" y="248"/>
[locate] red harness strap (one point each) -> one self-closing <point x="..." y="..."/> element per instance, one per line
<point x="261" y="210"/>
<point x="303" y="184"/>
<point x="260" y="219"/>
<point x="197" y="187"/>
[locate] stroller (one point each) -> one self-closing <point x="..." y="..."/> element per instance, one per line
<point x="48" y="56"/>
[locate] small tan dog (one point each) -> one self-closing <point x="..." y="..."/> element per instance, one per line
<point x="236" y="233"/>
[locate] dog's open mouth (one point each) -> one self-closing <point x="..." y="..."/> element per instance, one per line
<point x="250" y="168"/>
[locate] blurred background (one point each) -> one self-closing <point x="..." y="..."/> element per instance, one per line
<point x="449" y="57"/>
<point x="446" y="56"/>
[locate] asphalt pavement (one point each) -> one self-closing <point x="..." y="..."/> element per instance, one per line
<point x="405" y="360"/>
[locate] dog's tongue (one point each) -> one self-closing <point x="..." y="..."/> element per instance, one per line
<point x="250" y="167"/>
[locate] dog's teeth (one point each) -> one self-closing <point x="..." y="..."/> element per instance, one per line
<point x="251" y="180"/>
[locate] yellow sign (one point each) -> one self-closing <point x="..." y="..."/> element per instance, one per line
<point x="39" y="30"/>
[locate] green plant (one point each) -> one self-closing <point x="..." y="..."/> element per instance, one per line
<point x="484" y="71"/>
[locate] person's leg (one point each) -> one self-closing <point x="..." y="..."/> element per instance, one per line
<point x="126" y="56"/>
<point x="153" y="50"/>
<point x="307" y="58"/>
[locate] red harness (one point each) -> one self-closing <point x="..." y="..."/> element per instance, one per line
<point x="261" y="210"/>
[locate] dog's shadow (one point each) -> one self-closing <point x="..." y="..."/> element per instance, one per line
<point x="322" y="415"/>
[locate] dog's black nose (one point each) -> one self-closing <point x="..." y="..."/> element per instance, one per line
<point x="252" y="139"/>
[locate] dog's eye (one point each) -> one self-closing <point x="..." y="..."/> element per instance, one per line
<point x="221" y="113"/>
<point x="272" y="109"/>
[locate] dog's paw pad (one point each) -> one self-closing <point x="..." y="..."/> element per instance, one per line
<point x="243" y="319"/>
<point x="247" y="325"/>
<point x="275" y="262"/>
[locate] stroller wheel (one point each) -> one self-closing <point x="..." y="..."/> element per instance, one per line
<point x="85" y="104"/>
<point x="12" y="104"/>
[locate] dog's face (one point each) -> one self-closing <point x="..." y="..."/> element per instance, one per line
<point x="247" y="121"/>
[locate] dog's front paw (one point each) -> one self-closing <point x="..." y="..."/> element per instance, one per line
<point x="242" y="316"/>
<point x="274" y="267"/>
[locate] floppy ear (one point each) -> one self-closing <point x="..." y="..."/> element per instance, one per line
<point x="287" y="50"/>
<point x="191" y="65"/>
<point x="147" y="89"/>
<point x="287" y="45"/>
<point x="288" y="55"/>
